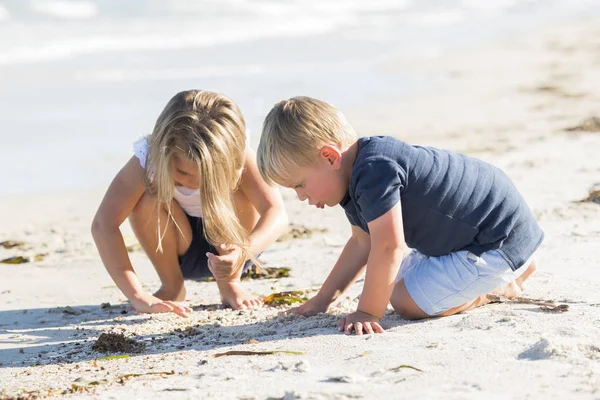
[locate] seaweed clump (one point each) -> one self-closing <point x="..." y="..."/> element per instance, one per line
<point x="117" y="343"/>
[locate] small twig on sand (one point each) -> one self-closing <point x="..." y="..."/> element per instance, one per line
<point x="546" y="305"/>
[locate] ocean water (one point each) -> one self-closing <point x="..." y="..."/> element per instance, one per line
<point x="80" y="80"/>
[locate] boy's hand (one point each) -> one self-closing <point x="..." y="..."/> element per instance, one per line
<point x="360" y="322"/>
<point x="153" y="304"/>
<point x="227" y="263"/>
<point x="313" y="306"/>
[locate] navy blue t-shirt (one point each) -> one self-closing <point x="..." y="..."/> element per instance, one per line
<point x="449" y="201"/>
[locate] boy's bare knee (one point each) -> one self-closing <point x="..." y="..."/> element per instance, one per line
<point x="407" y="312"/>
<point x="404" y="305"/>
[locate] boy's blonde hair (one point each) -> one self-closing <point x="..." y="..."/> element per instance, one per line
<point x="208" y="129"/>
<point x="294" y="132"/>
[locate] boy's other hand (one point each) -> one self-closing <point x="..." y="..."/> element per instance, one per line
<point x="361" y="323"/>
<point x="312" y="307"/>
<point x="229" y="260"/>
<point x="155" y="305"/>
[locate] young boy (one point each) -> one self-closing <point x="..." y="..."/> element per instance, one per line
<point x="470" y="231"/>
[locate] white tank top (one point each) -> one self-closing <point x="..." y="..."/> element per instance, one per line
<point x="188" y="199"/>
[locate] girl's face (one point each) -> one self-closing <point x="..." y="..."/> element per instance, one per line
<point x="185" y="172"/>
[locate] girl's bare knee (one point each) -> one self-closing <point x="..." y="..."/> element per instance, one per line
<point x="172" y="291"/>
<point x="145" y="207"/>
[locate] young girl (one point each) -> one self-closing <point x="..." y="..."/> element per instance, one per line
<point x="196" y="203"/>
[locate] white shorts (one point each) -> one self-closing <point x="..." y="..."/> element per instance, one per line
<point x="437" y="284"/>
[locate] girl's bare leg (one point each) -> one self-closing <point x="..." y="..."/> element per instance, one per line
<point x="232" y="293"/>
<point x="144" y="222"/>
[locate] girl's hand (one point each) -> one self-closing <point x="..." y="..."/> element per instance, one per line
<point x="312" y="307"/>
<point x="359" y="321"/>
<point x="151" y="304"/>
<point x="227" y="263"/>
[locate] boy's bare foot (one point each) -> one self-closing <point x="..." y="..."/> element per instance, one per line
<point x="528" y="272"/>
<point x="510" y="291"/>
<point x="234" y="296"/>
<point x="515" y="288"/>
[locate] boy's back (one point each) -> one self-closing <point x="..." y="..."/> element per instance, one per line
<point x="450" y="202"/>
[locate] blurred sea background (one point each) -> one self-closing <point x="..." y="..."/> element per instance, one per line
<point x="80" y="80"/>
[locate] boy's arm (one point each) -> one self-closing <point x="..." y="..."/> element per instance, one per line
<point x="387" y="250"/>
<point x="347" y="269"/>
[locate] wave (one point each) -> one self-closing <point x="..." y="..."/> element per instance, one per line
<point x="4" y="14"/>
<point x="169" y="39"/>
<point x="130" y="75"/>
<point x="68" y="9"/>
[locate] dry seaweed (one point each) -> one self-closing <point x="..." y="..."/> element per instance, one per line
<point x="594" y="196"/>
<point x="256" y="272"/>
<point x="86" y="384"/>
<point x="39" y="257"/>
<point x="121" y="379"/>
<point x="341" y="379"/>
<point x="24" y="259"/>
<point x="78" y="386"/>
<point x="557" y="91"/>
<point x="546" y="305"/>
<point x="133" y="247"/>
<point x="591" y="124"/>
<point x="300" y="232"/>
<point x="399" y="367"/>
<point x="558" y="309"/>
<point x="113" y="357"/>
<point x="255" y="353"/>
<point x="285" y="298"/>
<point x="9" y="244"/>
<point x="131" y="244"/>
<point x="135" y="375"/>
<point x="15" y="260"/>
<point x="363" y="354"/>
<point x="117" y="343"/>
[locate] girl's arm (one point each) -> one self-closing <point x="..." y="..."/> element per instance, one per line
<point x="267" y="201"/>
<point x="119" y="201"/>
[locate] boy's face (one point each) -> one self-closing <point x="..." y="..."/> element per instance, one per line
<point x="322" y="183"/>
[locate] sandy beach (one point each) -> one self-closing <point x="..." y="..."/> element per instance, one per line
<point x="526" y="105"/>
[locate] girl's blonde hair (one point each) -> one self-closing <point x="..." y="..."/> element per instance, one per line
<point x="208" y="129"/>
<point x="293" y="133"/>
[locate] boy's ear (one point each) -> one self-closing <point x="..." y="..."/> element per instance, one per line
<point x="332" y="154"/>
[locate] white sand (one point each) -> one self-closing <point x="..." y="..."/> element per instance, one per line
<point x="507" y="104"/>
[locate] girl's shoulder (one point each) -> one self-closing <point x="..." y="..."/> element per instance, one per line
<point x="140" y="150"/>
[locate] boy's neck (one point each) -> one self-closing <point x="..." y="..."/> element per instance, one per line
<point x="348" y="158"/>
